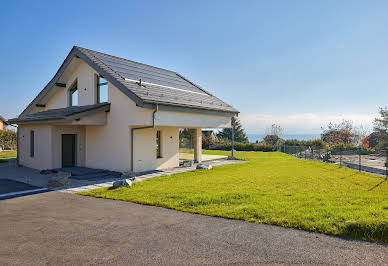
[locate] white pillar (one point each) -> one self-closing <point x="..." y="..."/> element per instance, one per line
<point x="198" y="145"/>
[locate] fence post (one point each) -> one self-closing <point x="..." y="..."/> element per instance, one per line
<point x="386" y="163"/>
<point x="305" y="152"/>
<point x="232" y="142"/>
<point x="340" y="156"/>
<point x="359" y="159"/>
<point x="312" y="154"/>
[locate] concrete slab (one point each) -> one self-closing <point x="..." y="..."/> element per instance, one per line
<point x="33" y="177"/>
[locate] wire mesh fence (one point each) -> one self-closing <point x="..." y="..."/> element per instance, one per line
<point x="374" y="161"/>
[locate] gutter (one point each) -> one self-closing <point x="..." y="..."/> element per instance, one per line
<point x="138" y="128"/>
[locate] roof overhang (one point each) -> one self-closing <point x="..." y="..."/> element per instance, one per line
<point x="173" y="108"/>
<point x="66" y="116"/>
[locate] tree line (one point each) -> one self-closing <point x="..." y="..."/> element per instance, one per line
<point x="343" y="133"/>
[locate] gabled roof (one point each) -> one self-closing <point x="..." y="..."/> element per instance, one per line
<point x="63" y="114"/>
<point x="157" y="86"/>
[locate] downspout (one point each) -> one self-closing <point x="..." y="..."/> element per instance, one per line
<point x="137" y="128"/>
<point x="17" y="147"/>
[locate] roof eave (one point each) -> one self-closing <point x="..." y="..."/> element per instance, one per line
<point x="61" y="119"/>
<point x="76" y="52"/>
<point x="190" y="109"/>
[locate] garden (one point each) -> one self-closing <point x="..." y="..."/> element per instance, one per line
<point x="273" y="188"/>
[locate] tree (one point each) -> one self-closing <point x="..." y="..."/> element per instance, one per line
<point x="271" y="139"/>
<point x="381" y="128"/>
<point x="373" y="140"/>
<point x="275" y="130"/>
<point x="8" y="139"/>
<point x="239" y="133"/>
<point x="273" y="135"/>
<point x="207" y="141"/>
<point x="358" y="135"/>
<point x="338" y="133"/>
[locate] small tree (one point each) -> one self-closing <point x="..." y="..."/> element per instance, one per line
<point x="273" y="136"/>
<point x="207" y="141"/>
<point x="338" y="133"/>
<point x="271" y="139"/>
<point x="239" y="133"/>
<point x="381" y="128"/>
<point x="275" y="130"/>
<point x="8" y="139"/>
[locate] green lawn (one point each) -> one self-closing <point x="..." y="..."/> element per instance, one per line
<point x="7" y="154"/>
<point x="273" y="188"/>
<point x="186" y="154"/>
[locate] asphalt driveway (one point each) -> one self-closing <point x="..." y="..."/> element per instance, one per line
<point x="59" y="228"/>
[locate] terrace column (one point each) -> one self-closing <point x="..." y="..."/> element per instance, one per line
<point x="198" y="145"/>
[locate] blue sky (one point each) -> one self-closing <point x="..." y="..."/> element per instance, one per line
<point x="296" y="63"/>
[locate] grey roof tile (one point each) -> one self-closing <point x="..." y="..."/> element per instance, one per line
<point x="166" y="86"/>
<point x="58" y="114"/>
<point x="160" y="86"/>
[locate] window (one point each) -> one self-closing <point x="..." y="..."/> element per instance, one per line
<point x="158" y="145"/>
<point x="73" y="94"/>
<point x="102" y="90"/>
<point x="32" y="143"/>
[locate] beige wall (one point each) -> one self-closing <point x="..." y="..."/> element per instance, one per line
<point x="48" y="145"/>
<point x="87" y="92"/>
<point x="108" y="146"/>
<point x="56" y="147"/>
<point x="187" y="120"/>
<point x="145" y="149"/>
<point x="1" y="125"/>
<point x="43" y="153"/>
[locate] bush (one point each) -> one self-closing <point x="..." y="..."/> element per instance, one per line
<point x="272" y="139"/>
<point x="344" y="148"/>
<point x="242" y="146"/>
<point x="313" y="143"/>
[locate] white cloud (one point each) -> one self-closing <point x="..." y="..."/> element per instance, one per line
<point x="307" y="123"/>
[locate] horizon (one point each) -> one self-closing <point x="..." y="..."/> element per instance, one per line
<point x="299" y="65"/>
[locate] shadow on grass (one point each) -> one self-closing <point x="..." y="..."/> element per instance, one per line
<point x="377" y="185"/>
<point x="367" y="231"/>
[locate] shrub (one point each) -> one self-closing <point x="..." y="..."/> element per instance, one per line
<point x="271" y="139"/>
<point x="242" y="146"/>
<point x="314" y="143"/>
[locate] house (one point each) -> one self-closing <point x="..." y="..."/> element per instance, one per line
<point x="102" y="111"/>
<point x="209" y="133"/>
<point x="3" y="123"/>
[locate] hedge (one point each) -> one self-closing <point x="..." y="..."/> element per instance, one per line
<point x="240" y="146"/>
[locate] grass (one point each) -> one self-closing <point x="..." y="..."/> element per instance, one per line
<point x="8" y="154"/>
<point x="273" y="188"/>
<point x="186" y="154"/>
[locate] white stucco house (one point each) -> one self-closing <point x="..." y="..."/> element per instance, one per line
<point x="102" y="111"/>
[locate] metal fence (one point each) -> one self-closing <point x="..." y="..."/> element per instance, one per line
<point x="363" y="160"/>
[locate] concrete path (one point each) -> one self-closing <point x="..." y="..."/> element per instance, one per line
<point x="60" y="228"/>
<point x="33" y="177"/>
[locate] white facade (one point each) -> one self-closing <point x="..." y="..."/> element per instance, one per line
<point x="103" y="140"/>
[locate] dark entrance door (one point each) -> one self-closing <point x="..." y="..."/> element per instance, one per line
<point x="68" y="150"/>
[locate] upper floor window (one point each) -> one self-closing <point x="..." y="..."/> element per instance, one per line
<point x="73" y="94"/>
<point x="102" y="90"/>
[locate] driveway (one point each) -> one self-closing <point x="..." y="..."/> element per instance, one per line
<point x="61" y="228"/>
